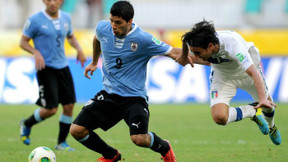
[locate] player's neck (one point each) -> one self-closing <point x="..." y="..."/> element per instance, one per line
<point x="126" y="33"/>
<point x="53" y="15"/>
<point x="129" y="29"/>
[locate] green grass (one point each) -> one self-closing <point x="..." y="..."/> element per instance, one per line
<point x="189" y="128"/>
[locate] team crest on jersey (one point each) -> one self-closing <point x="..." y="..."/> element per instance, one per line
<point x="66" y="26"/>
<point x="214" y="94"/>
<point x="134" y="46"/>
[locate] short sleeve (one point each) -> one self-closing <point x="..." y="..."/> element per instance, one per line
<point x="99" y="27"/>
<point x="30" y="28"/>
<point x="70" y="30"/>
<point x="241" y="55"/>
<point x="154" y="46"/>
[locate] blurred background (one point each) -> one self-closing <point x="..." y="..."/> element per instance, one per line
<point x="264" y="22"/>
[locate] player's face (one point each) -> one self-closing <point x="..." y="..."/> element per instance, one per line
<point x="52" y="6"/>
<point x="120" y="26"/>
<point x="202" y="53"/>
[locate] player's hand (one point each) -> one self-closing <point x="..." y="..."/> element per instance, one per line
<point x="265" y="104"/>
<point x="91" y="67"/>
<point x="184" y="60"/>
<point x="81" y="57"/>
<point x="39" y="61"/>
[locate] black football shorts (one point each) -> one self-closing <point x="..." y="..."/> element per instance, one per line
<point x="55" y="86"/>
<point x="106" y="110"/>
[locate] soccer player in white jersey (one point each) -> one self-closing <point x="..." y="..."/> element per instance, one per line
<point x="235" y="64"/>
<point x="48" y="29"/>
<point x="126" y="50"/>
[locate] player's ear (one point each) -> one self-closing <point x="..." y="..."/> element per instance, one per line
<point x="130" y="21"/>
<point x="211" y="45"/>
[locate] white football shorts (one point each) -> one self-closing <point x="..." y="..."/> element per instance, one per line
<point x="223" y="89"/>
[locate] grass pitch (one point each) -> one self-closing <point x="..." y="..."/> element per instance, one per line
<point x="189" y="128"/>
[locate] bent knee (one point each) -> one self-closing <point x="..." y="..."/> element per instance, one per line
<point x="78" y="131"/>
<point x="140" y="140"/>
<point x="220" y="119"/>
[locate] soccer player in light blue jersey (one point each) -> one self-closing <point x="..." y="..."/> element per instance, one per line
<point x="48" y="29"/>
<point x="126" y="50"/>
<point x="235" y="64"/>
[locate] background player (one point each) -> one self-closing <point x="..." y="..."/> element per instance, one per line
<point x="48" y="29"/>
<point x="235" y="64"/>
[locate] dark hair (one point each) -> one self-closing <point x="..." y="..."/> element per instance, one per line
<point x="122" y="9"/>
<point x="201" y="35"/>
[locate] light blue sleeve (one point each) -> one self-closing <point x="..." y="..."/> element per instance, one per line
<point x="99" y="28"/>
<point x="154" y="46"/>
<point x="30" y="28"/>
<point x="70" y="31"/>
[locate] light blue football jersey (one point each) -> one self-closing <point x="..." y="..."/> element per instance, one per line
<point x="125" y="59"/>
<point x="48" y="36"/>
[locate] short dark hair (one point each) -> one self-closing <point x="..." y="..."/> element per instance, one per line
<point x="201" y="35"/>
<point x="122" y="9"/>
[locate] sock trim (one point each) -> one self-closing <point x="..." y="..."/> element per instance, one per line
<point x="37" y="115"/>
<point x="84" y="139"/>
<point x="152" y="139"/>
<point x="239" y="114"/>
<point x="65" y="119"/>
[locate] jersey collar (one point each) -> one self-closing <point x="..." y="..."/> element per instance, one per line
<point x="49" y="17"/>
<point x="134" y="27"/>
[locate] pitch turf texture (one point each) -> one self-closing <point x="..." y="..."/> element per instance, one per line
<point x="190" y="129"/>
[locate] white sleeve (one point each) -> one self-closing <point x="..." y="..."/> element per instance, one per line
<point x="241" y="55"/>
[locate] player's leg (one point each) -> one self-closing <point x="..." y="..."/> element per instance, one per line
<point x="137" y="119"/>
<point x="268" y="113"/>
<point x="222" y="91"/>
<point x="274" y="133"/>
<point x="65" y="121"/>
<point x="48" y="101"/>
<point x="67" y="99"/>
<point x="93" y="115"/>
<point x="222" y="114"/>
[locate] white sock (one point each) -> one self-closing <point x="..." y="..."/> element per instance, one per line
<point x="241" y="112"/>
<point x="269" y="115"/>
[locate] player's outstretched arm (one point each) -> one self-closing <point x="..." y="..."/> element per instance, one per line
<point x="176" y="54"/>
<point x="39" y="60"/>
<point x="197" y="60"/>
<point x="183" y="57"/>
<point x="74" y="43"/>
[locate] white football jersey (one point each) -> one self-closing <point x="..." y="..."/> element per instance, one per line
<point x="235" y="55"/>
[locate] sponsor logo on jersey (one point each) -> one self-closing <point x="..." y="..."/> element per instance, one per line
<point x="158" y="42"/>
<point x="27" y="24"/>
<point x="214" y="94"/>
<point x="134" y="46"/>
<point x="240" y="57"/>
